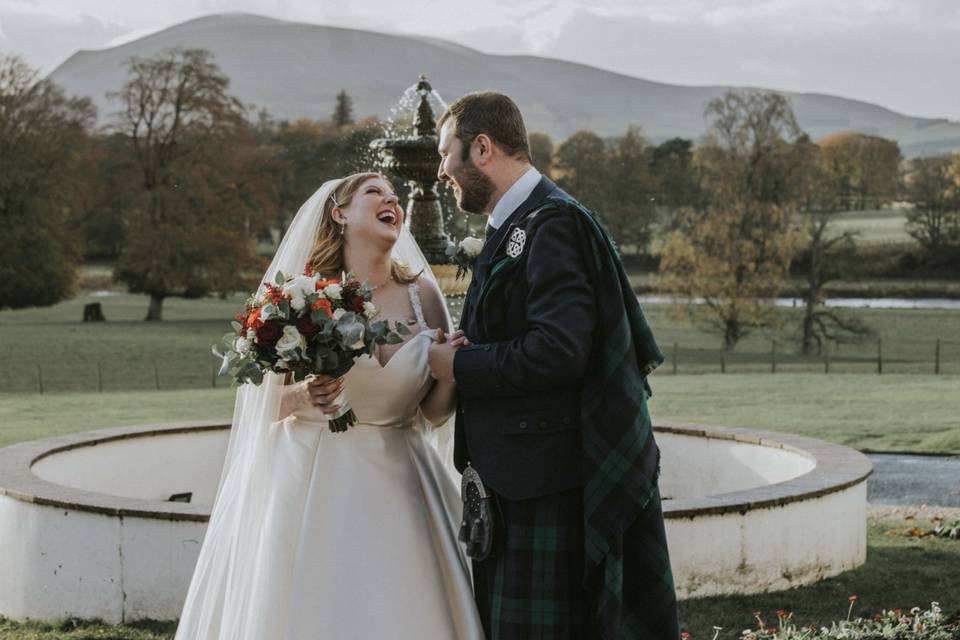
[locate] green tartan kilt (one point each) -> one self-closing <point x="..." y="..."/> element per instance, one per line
<point x="532" y="589"/>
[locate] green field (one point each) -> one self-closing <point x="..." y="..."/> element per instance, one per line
<point x="873" y="226"/>
<point x="877" y="413"/>
<point x="50" y="348"/>
<point x="30" y="416"/>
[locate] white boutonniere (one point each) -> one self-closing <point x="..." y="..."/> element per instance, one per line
<point x="465" y="254"/>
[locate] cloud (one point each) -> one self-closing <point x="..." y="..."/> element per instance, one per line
<point x="898" y="64"/>
<point x="897" y="53"/>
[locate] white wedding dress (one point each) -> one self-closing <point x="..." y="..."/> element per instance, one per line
<point x="358" y="534"/>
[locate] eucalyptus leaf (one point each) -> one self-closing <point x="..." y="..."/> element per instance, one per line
<point x="270" y="311"/>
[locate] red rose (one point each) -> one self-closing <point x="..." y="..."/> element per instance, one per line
<point x="305" y="326"/>
<point x="269" y="333"/>
<point x="353" y="303"/>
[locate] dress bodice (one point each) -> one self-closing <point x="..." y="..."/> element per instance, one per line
<point x="389" y="395"/>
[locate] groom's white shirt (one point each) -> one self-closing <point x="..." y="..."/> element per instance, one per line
<point x="514" y="197"/>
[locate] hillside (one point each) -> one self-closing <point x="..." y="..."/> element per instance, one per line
<point x="295" y="70"/>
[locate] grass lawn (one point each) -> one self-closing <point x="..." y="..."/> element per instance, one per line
<point x="873" y="226"/>
<point x="30" y="416"/>
<point x="899" y="572"/>
<point x="915" y="413"/>
<point x="918" y="568"/>
<point x="51" y="348"/>
<point x="918" y="413"/>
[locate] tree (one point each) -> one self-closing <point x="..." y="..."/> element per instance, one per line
<point x="580" y="164"/>
<point x="631" y="190"/>
<point x="541" y="152"/>
<point x="672" y="167"/>
<point x="116" y="190"/>
<point x="44" y="165"/>
<point x="824" y="193"/>
<point x="865" y="168"/>
<point x="315" y="151"/>
<point x="932" y="186"/>
<point x="734" y="253"/>
<point x="343" y="112"/>
<point x="189" y="239"/>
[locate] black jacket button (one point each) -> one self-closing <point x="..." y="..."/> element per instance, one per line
<point x="523" y="425"/>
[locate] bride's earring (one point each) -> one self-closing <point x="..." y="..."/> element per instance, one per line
<point x="342" y="228"/>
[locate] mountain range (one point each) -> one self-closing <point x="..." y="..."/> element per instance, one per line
<point x="295" y="70"/>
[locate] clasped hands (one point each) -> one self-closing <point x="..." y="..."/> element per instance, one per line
<point x="441" y="353"/>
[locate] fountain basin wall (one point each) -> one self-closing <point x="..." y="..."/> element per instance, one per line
<point x="86" y="529"/>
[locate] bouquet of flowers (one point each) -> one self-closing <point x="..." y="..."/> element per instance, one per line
<point x="465" y="254"/>
<point x="306" y="325"/>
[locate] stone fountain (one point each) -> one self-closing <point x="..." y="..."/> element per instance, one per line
<point x="414" y="159"/>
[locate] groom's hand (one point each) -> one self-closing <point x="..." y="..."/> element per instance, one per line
<point x="459" y="339"/>
<point x="440" y="357"/>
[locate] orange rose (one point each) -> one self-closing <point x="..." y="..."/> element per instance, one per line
<point x="324" y="283"/>
<point x="324" y="304"/>
<point x="253" y="320"/>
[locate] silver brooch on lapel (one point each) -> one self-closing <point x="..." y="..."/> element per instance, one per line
<point x="516" y="242"/>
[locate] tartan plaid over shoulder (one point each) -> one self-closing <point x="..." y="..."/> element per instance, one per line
<point x="629" y="570"/>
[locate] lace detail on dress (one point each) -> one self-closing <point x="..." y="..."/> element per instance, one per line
<point x="414" y="289"/>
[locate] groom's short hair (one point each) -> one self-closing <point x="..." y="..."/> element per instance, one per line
<point x="491" y="113"/>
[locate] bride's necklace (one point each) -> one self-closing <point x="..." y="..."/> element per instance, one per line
<point x="377" y="286"/>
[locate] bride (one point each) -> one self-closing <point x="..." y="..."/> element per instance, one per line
<point x="335" y="536"/>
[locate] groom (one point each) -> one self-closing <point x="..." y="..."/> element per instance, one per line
<point x="550" y="366"/>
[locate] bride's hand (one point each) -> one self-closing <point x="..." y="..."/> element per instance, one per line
<point x="323" y="390"/>
<point x="318" y="391"/>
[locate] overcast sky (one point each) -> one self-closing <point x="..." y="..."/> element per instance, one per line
<point x="902" y="54"/>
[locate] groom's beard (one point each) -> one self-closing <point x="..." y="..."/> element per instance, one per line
<point x="476" y="188"/>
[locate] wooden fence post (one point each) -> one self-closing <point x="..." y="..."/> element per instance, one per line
<point x="879" y="356"/>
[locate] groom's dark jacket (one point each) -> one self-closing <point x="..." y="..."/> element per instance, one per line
<point x="519" y="384"/>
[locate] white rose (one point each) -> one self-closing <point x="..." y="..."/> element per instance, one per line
<point x="332" y="291"/>
<point x="471" y="246"/>
<point x="242" y="344"/>
<point x="298" y="303"/>
<point x="369" y="309"/>
<point x="290" y="340"/>
<point x="300" y="287"/>
<point x="339" y="313"/>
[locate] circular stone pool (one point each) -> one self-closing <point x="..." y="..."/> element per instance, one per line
<point x="88" y="527"/>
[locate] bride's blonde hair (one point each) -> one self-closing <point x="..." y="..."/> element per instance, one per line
<point x="326" y="256"/>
